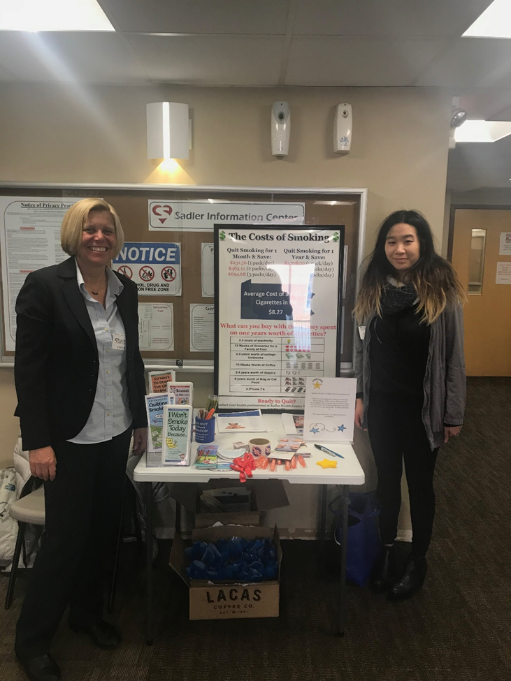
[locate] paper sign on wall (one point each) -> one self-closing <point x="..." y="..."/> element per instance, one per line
<point x="505" y="243"/>
<point x="208" y="270"/>
<point x="155" y="326"/>
<point x="202" y="215"/>
<point x="202" y="328"/>
<point x="30" y="239"/>
<point x="503" y="273"/>
<point x="154" y="267"/>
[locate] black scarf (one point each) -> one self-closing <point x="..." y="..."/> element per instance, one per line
<point x="397" y="298"/>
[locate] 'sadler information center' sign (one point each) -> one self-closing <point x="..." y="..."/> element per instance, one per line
<point x="278" y="312"/>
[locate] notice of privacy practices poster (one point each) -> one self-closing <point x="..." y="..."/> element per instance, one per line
<point x="30" y="239"/>
<point x="278" y="312"/>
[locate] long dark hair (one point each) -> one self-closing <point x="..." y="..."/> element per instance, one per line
<point x="433" y="277"/>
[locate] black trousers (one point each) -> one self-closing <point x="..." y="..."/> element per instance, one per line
<point x="396" y="432"/>
<point x="83" y="506"/>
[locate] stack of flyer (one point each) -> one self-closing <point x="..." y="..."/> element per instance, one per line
<point x="154" y="406"/>
<point x="161" y="448"/>
<point x="177" y="432"/>
<point x="158" y="380"/>
<point x="182" y="390"/>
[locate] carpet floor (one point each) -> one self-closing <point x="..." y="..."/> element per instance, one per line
<point x="457" y="628"/>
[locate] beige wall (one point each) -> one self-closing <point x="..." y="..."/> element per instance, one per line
<point x="399" y="150"/>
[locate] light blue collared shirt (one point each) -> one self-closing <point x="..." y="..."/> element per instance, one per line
<point x="110" y="414"/>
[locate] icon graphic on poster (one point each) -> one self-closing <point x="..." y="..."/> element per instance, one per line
<point x="146" y="273"/>
<point x="165" y="208"/>
<point x="168" y="273"/>
<point x="127" y="271"/>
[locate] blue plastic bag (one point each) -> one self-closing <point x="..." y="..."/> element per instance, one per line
<point x="364" y="543"/>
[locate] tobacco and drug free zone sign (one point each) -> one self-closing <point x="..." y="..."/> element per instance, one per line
<point x="154" y="267"/>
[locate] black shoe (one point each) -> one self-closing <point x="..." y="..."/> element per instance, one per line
<point x="411" y="580"/>
<point x="384" y="570"/>
<point x="103" y="634"/>
<point x="41" y="668"/>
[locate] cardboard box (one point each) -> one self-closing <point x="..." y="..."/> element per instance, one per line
<point x="227" y="600"/>
<point x="265" y="496"/>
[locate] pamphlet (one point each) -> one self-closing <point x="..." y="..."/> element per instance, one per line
<point x="329" y="409"/>
<point x="243" y="421"/>
<point x="206" y="457"/>
<point x="154" y="407"/>
<point x="293" y="424"/>
<point x="158" y="380"/>
<point x="183" y="391"/>
<point x="177" y="428"/>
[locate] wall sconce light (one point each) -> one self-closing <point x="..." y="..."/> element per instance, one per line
<point x="168" y="130"/>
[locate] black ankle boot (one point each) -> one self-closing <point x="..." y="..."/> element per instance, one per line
<point x="383" y="573"/>
<point x="411" y="580"/>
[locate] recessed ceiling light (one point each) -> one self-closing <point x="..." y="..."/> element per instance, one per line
<point x="482" y="131"/>
<point x="53" y="15"/>
<point x="494" y="22"/>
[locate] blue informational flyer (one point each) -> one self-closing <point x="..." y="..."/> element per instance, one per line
<point x="154" y="406"/>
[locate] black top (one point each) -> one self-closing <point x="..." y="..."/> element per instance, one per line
<point x="399" y="353"/>
<point x="56" y="365"/>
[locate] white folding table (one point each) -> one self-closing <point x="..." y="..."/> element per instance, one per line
<point x="348" y="472"/>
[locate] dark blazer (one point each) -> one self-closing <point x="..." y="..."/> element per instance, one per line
<point x="56" y="363"/>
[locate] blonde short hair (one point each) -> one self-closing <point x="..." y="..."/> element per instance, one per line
<point x="74" y="220"/>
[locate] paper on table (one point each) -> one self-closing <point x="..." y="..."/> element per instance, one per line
<point x="293" y="424"/>
<point x="329" y="409"/>
<point x="241" y="421"/>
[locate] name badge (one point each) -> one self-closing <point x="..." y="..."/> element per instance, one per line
<point x="119" y="341"/>
<point x="362" y="332"/>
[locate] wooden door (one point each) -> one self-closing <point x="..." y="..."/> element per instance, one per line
<point x="488" y="307"/>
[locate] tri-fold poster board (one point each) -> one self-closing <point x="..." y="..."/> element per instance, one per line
<point x="278" y="312"/>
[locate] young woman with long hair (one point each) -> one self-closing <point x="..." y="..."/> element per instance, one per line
<point x="410" y="371"/>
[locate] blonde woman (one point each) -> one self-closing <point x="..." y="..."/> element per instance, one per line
<point x="410" y="373"/>
<point x="80" y="385"/>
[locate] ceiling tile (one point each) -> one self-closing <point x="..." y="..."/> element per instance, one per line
<point x="69" y="57"/>
<point x="473" y="166"/>
<point x="199" y="16"/>
<point x="333" y="61"/>
<point x="391" y="17"/>
<point x="7" y="75"/>
<point x="210" y="60"/>
<point x="467" y="63"/>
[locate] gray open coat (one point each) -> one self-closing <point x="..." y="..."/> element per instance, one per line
<point x="444" y="380"/>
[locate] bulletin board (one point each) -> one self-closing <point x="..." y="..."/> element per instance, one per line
<point x="176" y="209"/>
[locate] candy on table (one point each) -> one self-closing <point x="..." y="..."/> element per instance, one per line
<point x="289" y="444"/>
<point x="326" y="463"/>
<point x="244" y="465"/>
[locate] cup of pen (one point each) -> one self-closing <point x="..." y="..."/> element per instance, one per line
<point x="204" y="429"/>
